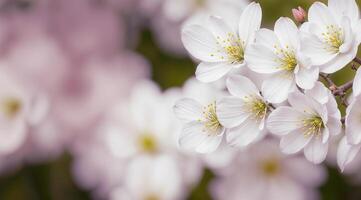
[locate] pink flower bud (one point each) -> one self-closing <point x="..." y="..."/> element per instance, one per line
<point x="299" y="14"/>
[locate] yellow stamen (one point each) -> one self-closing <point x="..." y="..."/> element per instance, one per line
<point x="333" y="36"/>
<point x="270" y="167"/>
<point x="313" y="126"/>
<point x="147" y="143"/>
<point x="210" y="119"/>
<point x="11" y="107"/>
<point x="286" y="58"/>
<point x="256" y="106"/>
<point x="233" y="46"/>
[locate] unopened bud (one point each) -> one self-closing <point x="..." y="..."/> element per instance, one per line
<point x="299" y="14"/>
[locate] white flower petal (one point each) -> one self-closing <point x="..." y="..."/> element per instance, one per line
<point x="201" y="44"/>
<point x="194" y="138"/>
<point x="346" y="153"/>
<point x="210" y="72"/>
<point x="244" y="134"/>
<point x="340" y="61"/>
<point x="241" y="86"/>
<point x="305" y="104"/>
<point x="316" y="150"/>
<point x="261" y="59"/>
<point x="319" y="93"/>
<point x="294" y="142"/>
<point x="319" y="13"/>
<point x="267" y="38"/>
<point x="344" y="7"/>
<point x="219" y="28"/>
<point x="334" y="125"/>
<point x="230" y="112"/>
<point x="250" y="22"/>
<point x="277" y="87"/>
<point x="287" y="32"/>
<point x="315" y="49"/>
<point x="188" y="110"/>
<point x="306" y="78"/>
<point x="284" y="120"/>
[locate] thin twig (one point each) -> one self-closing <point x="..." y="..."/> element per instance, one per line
<point x="357" y="60"/>
<point x="327" y="78"/>
<point x="341" y="90"/>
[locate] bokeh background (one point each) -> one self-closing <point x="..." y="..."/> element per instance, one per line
<point x="52" y="179"/>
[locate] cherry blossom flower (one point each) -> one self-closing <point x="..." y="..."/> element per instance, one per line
<point x="351" y="144"/>
<point x="278" y="53"/>
<point x="202" y="131"/>
<point x="244" y="113"/>
<point x="221" y="48"/>
<point x="21" y="109"/>
<point x="332" y="35"/>
<point x="263" y="172"/>
<point x="308" y="124"/>
<point x="151" y="178"/>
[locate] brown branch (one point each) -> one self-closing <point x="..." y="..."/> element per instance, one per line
<point x="357" y="60"/>
<point x="329" y="81"/>
<point x="341" y="90"/>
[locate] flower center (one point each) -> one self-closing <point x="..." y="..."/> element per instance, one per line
<point x="256" y="106"/>
<point x="270" y="167"/>
<point x="286" y="58"/>
<point x="333" y="36"/>
<point x="233" y="46"/>
<point x="11" y="107"/>
<point x="151" y="197"/>
<point x="313" y="126"/>
<point x="147" y="143"/>
<point x="211" y="122"/>
<point x="200" y="3"/>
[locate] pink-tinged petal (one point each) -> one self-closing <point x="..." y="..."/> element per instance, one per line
<point x="244" y="134"/>
<point x="201" y="44"/>
<point x="241" y="86"/>
<point x="277" y="88"/>
<point x="357" y="83"/>
<point x="287" y="32"/>
<point x="195" y="138"/>
<point x="261" y="59"/>
<point x="209" y="72"/>
<point x="15" y="133"/>
<point x="334" y="125"/>
<point x="316" y="150"/>
<point x="346" y="153"/>
<point x="188" y="110"/>
<point x="294" y="142"/>
<point x="230" y="112"/>
<point x="317" y="175"/>
<point x="353" y="123"/>
<point x="284" y="120"/>
<point x="250" y="22"/>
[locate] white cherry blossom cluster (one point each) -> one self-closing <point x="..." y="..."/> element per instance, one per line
<point x="277" y="82"/>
